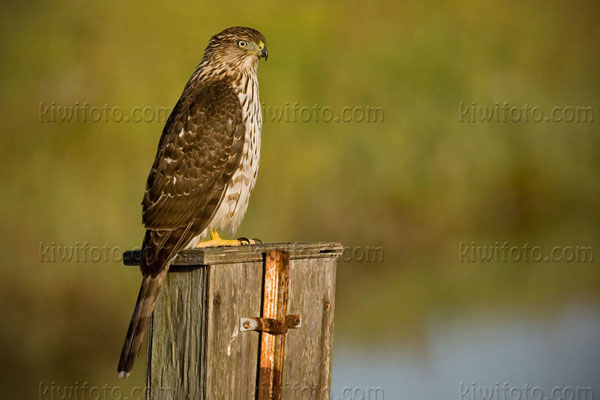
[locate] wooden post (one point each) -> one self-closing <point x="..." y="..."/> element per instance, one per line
<point x="205" y="335"/>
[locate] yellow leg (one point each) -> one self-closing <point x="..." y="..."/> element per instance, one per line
<point x="216" y="241"/>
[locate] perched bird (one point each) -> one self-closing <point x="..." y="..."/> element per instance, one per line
<point x="205" y="167"/>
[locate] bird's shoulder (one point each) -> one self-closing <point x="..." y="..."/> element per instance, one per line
<point x="199" y="149"/>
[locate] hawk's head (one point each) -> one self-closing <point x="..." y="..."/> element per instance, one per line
<point x="236" y="48"/>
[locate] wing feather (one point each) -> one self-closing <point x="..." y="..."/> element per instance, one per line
<point x="199" y="151"/>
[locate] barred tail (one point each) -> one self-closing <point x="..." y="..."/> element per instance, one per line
<point x="144" y="307"/>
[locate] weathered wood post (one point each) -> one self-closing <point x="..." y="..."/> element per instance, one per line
<point x="251" y="322"/>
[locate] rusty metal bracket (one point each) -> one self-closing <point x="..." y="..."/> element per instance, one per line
<point x="271" y="325"/>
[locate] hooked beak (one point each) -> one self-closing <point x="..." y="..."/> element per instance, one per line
<point x="262" y="52"/>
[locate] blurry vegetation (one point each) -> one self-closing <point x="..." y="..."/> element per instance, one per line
<point x="416" y="184"/>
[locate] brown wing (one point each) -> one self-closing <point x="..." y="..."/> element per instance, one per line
<point x="199" y="150"/>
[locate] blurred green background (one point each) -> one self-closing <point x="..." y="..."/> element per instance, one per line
<point x="416" y="184"/>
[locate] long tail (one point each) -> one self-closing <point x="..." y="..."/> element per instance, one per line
<point x="158" y="250"/>
<point x="144" y="307"/>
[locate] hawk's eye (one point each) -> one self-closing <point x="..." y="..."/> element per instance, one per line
<point x="242" y="43"/>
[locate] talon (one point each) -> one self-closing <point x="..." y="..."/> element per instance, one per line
<point x="216" y="241"/>
<point x="244" y="240"/>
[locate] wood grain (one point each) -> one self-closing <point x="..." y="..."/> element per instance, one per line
<point x="250" y="253"/>
<point x="307" y="366"/>
<point x="196" y="350"/>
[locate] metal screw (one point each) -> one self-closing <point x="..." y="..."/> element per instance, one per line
<point x="296" y="321"/>
<point x="246" y="324"/>
<point x="327" y="306"/>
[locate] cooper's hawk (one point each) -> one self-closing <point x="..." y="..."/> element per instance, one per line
<point x="205" y="167"/>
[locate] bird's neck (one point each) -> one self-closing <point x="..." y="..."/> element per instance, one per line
<point x="231" y="70"/>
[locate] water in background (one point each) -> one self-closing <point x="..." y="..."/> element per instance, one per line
<point x="465" y="355"/>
